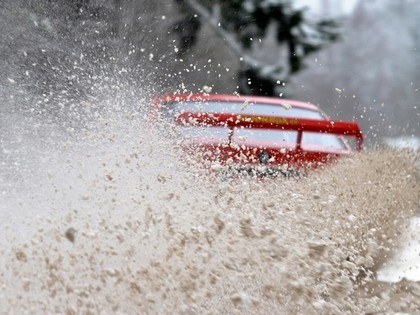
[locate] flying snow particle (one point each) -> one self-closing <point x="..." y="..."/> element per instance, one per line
<point x="70" y="234"/>
<point x="244" y="105"/>
<point x="286" y="106"/>
<point x="207" y="89"/>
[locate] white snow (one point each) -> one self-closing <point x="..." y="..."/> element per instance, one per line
<point x="406" y="263"/>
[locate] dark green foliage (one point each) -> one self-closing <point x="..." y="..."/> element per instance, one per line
<point x="187" y="31"/>
<point x="249" y="20"/>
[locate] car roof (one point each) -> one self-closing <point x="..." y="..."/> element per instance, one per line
<point x="237" y="98"/>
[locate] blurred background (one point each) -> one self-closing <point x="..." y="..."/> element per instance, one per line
<point x="356" y="59"/>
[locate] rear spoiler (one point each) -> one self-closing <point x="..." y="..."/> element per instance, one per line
<point x="337" y="127"/>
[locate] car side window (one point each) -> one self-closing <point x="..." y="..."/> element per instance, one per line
<point x="312" y="139"/>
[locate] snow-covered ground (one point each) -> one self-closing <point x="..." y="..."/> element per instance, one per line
<point x="404" y="142"/>
<point x="406" y="263"/>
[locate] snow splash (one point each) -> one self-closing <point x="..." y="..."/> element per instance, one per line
<point x="114" y="221"/>
<point x="100" y="214"/>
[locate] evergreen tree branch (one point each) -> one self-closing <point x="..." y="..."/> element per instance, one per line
<point x="230" y="40"/>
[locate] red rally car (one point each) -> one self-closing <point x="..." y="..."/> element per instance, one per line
<point x="258" y="135"/>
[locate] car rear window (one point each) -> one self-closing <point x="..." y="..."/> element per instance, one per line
<point x="171" y="109"/>
<point x="210" y="133"/>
